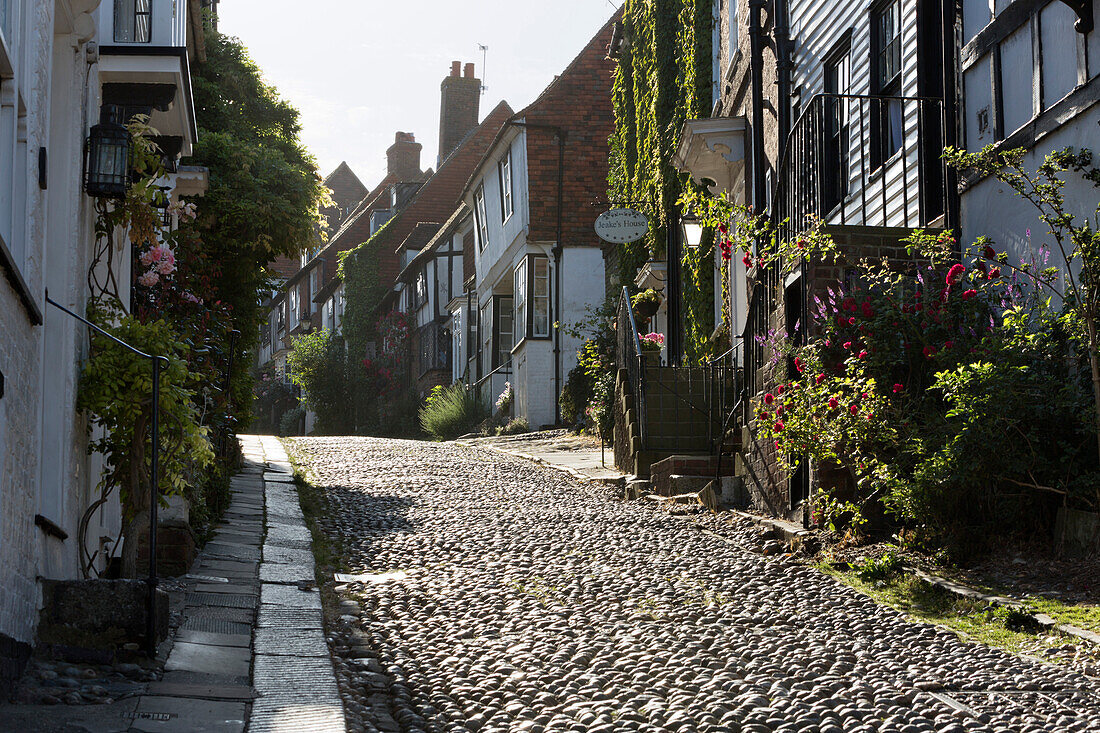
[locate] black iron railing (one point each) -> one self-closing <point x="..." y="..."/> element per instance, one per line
<point x="863" y="161"/>
<point x="154" y="468"/>
<point x="629" y="356"/>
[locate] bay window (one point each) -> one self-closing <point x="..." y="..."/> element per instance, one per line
<point x="532" y="298"/>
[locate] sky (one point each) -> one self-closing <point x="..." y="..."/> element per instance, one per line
<point x="360" y="70"/>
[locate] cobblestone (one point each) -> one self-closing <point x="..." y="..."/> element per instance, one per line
<point x="535" y="603"/>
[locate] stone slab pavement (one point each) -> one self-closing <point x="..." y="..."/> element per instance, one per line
<point x="233" y="665"/>
<point x="579" y="456"/>
<point x="292" y="671"/>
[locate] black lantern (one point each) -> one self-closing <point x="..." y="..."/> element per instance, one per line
<point x="107" y="158"/>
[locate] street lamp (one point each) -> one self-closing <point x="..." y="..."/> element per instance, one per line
<point x="107" y="158"/>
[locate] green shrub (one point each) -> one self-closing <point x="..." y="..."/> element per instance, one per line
<point x="884" y="568"/>
<point x="514" y="427"/>
<point x="451" y="412"/>
<point x="575" y="396"/>
<point x="319" y="365"/>
<point x="288" y="423"/>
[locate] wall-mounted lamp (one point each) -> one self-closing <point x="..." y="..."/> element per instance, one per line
<point x="691" y="228"/>
<point x="107" y="155"/>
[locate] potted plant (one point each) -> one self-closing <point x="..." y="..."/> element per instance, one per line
<point x="646" y="304"/>
<point x="652" y="343"/>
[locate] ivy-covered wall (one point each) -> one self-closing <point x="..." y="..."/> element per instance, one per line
<point x="663" y="78"/>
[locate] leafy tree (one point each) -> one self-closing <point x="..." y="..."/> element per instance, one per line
<point x="265" y="194"/>
<point x="319" y="365"/>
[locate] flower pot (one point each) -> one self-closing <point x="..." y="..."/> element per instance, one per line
<point x="646" y="309"/>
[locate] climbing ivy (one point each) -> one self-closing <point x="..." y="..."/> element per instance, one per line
<point x="663" y="79"/>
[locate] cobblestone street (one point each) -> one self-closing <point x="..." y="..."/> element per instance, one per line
<point x="513" y="598"/>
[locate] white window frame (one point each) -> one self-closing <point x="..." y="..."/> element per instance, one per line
<point x="537" y="330"/>
<point x="480" y="219"/>
<point x="519" y="302"/>
<point x="504" y="171"/>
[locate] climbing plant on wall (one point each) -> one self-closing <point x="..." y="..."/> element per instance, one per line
<point x="663" y="79"/>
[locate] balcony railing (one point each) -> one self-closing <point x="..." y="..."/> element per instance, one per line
<point x="864" y="161"/>
<point x="858" y="160"/>
<point x="155" y="23"/>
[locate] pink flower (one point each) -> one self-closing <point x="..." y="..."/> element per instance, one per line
<point x="955" y="274"/>
<point x="819" y="378"/>
<point x="854" y="409"/>
<point x="798" y="364"/>
<point x="852" y="321"/>
<point x="968" y="294"/>
<point x="847" y="344"/>
<point x="747" y="260"/>
<point x="868" y="311"/>
<point x="778" y="427"/>
<point x="779" y="410"/>
<point x="863" y="355"/>
<point x="994" y="273"/>
<point x="833" y="403"/>
<point x="149" y="279"/>
<point x="166" y="267"/>
<point x="929" y="351"/>
<point x="769" y="398"/>
<point x="779" y="389"/>
<point x="898" y="388"/>
<point x="989" y="252"/>
<point x="948" y="344"/>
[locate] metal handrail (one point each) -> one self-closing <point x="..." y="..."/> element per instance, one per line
<point x="154" y="478"/>
<point x="506" y="366"/>
<point x="634" y="363"/>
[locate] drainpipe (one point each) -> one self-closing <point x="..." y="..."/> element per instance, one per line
<point x="756" y="73"/>
<point x="782" y="32"/>
<point x="556" y="251"/>
<point x="950" y="118"/>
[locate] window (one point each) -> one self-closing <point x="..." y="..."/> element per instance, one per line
<point x="378" y="219"/>
<point x="835" y="146"/>
<point x="293" y="305"/>
<point x="733" y="28"/>
<point x="519" y="288"/>
<point x="421" y="293"/>
<point x="532" y="291"/>
<point x="504" y="168"/>
<point x="456" y="346"/>
<point x="315" y="281"/>
<point x="133" y="21"/>
<point x="504" y="333"/>
<point x="886" y="115"/>
<point x="540" y="298"/>
<point x="480" y="219"/>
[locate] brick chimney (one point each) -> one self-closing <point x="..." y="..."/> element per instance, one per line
<point x="403" y="157"/>
<point x="459" y="107"/>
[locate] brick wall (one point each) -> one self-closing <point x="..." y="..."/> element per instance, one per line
<point x="19" y="451"/>
<point x="770" y="490"/>
<point x="579" y="101"/>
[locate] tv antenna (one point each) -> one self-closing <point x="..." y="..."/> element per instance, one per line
<point x="484" y="54"/>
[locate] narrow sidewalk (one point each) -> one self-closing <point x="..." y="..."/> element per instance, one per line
<point x="250" y="652"/>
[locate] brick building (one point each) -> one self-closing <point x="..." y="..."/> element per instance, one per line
<point x="537" y="259"/>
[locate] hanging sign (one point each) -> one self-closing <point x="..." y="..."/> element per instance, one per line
<point x="620" y="226"/>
